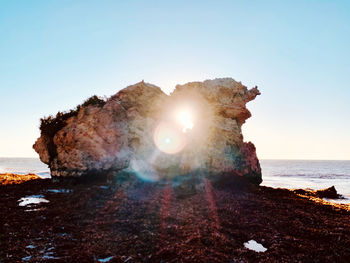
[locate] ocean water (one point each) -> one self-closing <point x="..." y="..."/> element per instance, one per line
<point x="312" y="174"/>
<point x="24" y="166"/>
<point x="276" y="173"/>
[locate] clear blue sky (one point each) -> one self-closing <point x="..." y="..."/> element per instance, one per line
<point x="55" y="54"/>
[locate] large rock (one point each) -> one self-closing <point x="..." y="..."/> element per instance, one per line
<point x="197" y="129"/>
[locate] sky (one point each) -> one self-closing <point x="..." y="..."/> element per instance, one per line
<point x="55" y="54"/>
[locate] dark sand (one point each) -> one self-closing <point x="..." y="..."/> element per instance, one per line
<point x="147" y="222"/>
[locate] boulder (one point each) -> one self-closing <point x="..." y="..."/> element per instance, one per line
<point x="195" y="130"/>
<point x="330" y="193"/>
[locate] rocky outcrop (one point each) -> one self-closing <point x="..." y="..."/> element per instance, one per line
<point x="330" y="193"/>
<point x="197" y="129"/>
<point x="9" y="178"/>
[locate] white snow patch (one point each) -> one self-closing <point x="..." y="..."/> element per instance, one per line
<point x="255" y="246"/>
<point x="32" y="199"/>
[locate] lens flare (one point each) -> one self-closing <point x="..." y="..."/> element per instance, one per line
<point x="169" y="138"/>
<point x="185" y="119"/>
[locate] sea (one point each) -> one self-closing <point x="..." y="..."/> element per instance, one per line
<point x="292" y="174"/>
<point x="312" y="174"/>
<point x="24" y="166"/>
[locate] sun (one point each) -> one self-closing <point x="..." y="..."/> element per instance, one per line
<point x="171" y="135"/>
<point x="185" y="119"/>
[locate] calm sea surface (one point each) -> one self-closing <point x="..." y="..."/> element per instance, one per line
<point x="24" y="166"/>
<point x="307" y="174"/>
<point x="276" y="173"/>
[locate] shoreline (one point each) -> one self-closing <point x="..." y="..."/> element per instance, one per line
<point x="11" y="178"/>
<point x="151" y="222"/>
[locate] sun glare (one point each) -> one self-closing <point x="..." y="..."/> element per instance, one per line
<point x="168" y="138"/>
<point x="185" y="119"/>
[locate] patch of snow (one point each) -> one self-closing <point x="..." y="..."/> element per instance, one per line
<point x="26" y="258"/>
<point x="255" y="246"/>
<point x="32" y="199"/>
<point x="105" y="259"/>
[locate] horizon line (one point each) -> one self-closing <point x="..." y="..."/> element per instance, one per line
<point x="260" y="159"/>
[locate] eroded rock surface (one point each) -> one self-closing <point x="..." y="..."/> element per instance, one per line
<point x="330" y="193"/>
<point x="9" y="178"/>
<point x="139" y="129"/>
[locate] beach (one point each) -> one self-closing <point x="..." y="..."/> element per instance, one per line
<point x="175" y="131"/>
<point x="136" y="221"/>
<point x="290" y="174"/>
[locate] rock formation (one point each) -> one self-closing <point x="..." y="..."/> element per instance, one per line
<point x="195" y="130"/>
<point x="9" y="178"/>
<point x="330" y="193"/>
